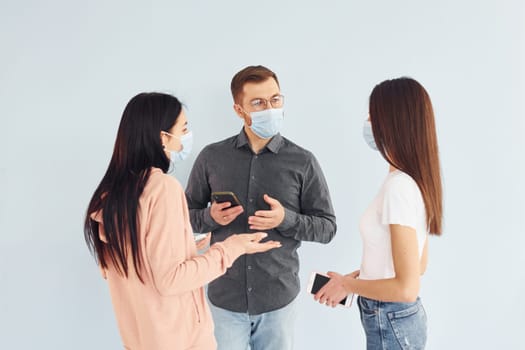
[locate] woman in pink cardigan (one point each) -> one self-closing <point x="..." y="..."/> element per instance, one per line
<point x="138" y="228"/>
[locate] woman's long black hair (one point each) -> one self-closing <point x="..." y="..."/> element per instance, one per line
<point x="138" y="148"/>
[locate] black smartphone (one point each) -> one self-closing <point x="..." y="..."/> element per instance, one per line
<point x="317" y="281"/>
<point x="225" y="196"/>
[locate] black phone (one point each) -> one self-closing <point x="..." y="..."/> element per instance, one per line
<point x="225" y="196"/>
<point x="317" y="281"/>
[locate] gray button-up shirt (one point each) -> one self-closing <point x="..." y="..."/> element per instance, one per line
<point x="261" y="282"/>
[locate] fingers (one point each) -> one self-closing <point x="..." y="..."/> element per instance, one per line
<point x="255" y="246"/>
<point x="265" y="213"/>
<point x="223" y="213"/>
<point x="260" y="223"/>
<point x="327" y="295"/>
<point x="232" y="211"/>
<point x="257" y="236"/>
<point x="272" y="201"/>
<point x="276" y="215"/>
<point x="332" y="274"/>
<point x="264" y="220"/>
<point x="204" y="242"/>
<point x="228" y="215"/>
<point x="220" y="206"/>
<point x="324" y="299"/>
<point x="321" y="294"/>
<point x="321" y="297"/>
<point x="266" y="246"/>
<point x="355" y="274"/>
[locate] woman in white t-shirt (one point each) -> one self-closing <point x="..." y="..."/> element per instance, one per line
<point x="395" y="227"/>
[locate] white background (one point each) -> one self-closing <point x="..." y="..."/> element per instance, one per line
<point x="67" y="69"/>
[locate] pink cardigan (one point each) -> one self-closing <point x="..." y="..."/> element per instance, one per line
<point x="168" y="311"/>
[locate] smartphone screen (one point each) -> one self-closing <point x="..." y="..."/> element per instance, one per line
<point x="320" y="281"/>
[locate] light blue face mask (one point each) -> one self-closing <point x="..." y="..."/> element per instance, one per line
<point x="369" y="135"/>
<point x="186" y="141"/>
<point x="267" y="123"/>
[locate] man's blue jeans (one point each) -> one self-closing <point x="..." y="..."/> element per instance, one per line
<point x="269" y="331"/>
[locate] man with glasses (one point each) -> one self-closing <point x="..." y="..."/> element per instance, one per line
<point x="283" y="192"/>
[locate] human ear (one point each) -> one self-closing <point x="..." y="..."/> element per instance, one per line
<point x="238" y="110"/>
<point x="163" y="139"/>
<point x="242" y="114"/>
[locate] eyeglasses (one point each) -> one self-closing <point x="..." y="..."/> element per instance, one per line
<point x="260" y="104"/>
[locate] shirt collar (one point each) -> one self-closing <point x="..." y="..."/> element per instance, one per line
<point x="273" y="146"/>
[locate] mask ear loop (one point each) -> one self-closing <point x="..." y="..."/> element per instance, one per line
<point x="167" y="133"/>
<point x="242" y="110"/>
<point x="245" y="114"/>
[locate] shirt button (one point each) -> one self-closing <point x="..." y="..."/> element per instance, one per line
<point x="253" y="177"/>
<point x="251" y="200"/>
<point x="249" y="289"/>
<point x="249" y="267"/>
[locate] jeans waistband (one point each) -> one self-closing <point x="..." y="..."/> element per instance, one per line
<point x="373" y="303"/>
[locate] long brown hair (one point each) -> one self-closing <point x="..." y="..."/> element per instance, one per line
<point x="404" y="130"/>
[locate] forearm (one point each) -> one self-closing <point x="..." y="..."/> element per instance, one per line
<point x="201" y="220"/>
<point x="198" y="196"/>
<point x="312" y="228"/>
<point x="390" y="289"/>
<point x="197" y="271"/>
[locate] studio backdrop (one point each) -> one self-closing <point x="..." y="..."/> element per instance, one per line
<point x="68" y="68"/>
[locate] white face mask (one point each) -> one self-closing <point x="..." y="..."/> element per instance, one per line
<point x="186" y="141"/>
<point x="267" y="123"/>
<point x="368" y="135"/>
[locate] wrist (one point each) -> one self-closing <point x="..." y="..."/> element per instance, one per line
<point x="288" y="221"/>
<point x="348" y="284"/>
<point x="209" y="219"/>
<point x="236" y="243"/>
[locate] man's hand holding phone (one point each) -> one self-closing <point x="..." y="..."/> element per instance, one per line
<point x="225" y="208"/>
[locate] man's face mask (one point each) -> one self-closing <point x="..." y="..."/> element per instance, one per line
<point x="267" y="123"/>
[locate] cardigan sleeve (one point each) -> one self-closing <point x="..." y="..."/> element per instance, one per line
<point x="170" y="249"/>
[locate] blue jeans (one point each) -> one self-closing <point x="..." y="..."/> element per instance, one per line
<point x="393" y="325"/>
<point x="269" y="331"/>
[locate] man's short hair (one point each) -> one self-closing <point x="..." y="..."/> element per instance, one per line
<point x="249" y="74"/>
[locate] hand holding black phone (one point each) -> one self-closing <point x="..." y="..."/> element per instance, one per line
<point x="225" y="196"/>
<point x="318" y="280"/>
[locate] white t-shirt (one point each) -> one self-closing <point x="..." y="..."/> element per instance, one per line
<point x="399" y="201"/>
